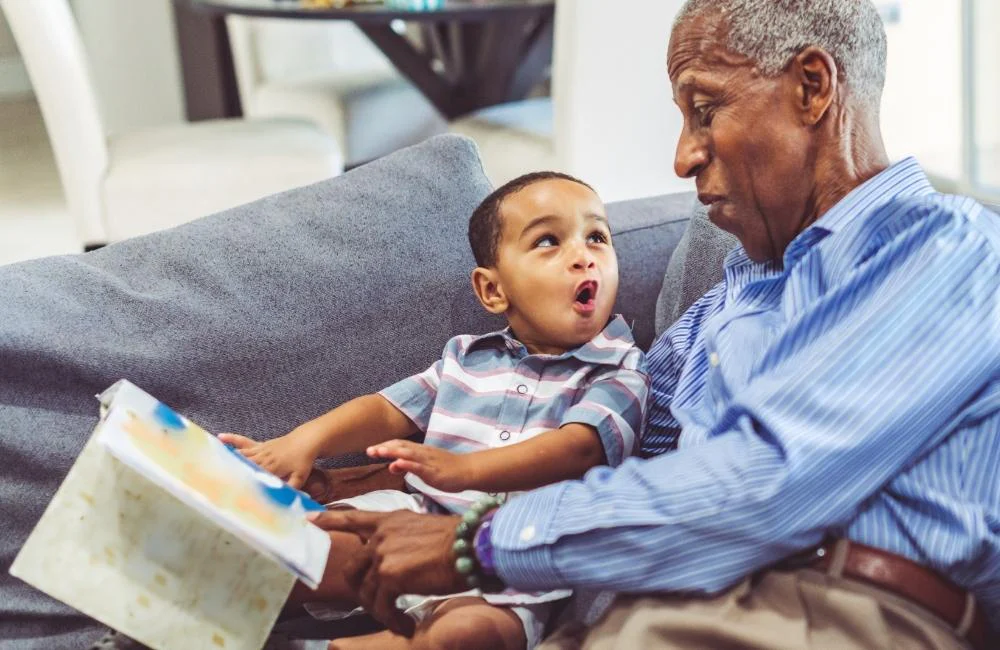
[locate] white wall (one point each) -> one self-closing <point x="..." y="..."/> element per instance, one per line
<point x="616" y="124"/>
<point x="13" y="77"/>
<point x="7" y="46"/>
<point x="922" y="104"/>
<point x="134" y="61"/>
<point x="987" y="91"/>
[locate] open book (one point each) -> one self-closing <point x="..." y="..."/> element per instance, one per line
<point x="169" y="536"/>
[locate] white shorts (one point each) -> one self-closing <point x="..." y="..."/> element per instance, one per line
<point x="532" y="608"/>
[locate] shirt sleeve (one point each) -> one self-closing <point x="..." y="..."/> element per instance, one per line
<point x="614" y="404"/>
<point x="872" y="376"/>
<point x="415" y="395"/>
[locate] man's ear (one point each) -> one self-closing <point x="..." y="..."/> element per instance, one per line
<point x="817" y="81"/>
<point x="487" y="286"/>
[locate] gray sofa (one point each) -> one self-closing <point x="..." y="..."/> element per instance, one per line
<point x="261" y="317"/>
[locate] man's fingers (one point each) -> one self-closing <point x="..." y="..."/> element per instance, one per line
<point x="356" y="567"/>
<point x="362" y="524"/>
<point x="384" y="609"/>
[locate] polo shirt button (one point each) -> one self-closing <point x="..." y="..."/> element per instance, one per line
<point x="713" y="359"/>
<point x="505" y="435"/>
<point x="527" y="533"/>
<point x="522" y="389"/>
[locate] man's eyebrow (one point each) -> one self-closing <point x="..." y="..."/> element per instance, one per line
<point x="691" y="83"/>
<point x="598" y="217"/>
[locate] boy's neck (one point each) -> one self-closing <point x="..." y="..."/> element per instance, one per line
<point x="538" y="347"/>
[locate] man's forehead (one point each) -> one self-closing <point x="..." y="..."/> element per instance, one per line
<point x="699" y="45"/>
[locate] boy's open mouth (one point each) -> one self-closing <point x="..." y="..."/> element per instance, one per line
<point x="586" y="292"/>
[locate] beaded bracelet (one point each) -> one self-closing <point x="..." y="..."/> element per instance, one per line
<point x="465" y="557"/>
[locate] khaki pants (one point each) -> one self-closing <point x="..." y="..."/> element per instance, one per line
<point x="775" y="610"/>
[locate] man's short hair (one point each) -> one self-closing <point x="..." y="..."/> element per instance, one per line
<point x="772" y="32"/>
<point x="486" y="222"/>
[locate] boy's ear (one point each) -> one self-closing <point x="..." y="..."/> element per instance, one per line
<point x="486" y="284"/>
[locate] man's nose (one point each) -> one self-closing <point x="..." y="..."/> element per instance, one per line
<point x="692" y="155"/>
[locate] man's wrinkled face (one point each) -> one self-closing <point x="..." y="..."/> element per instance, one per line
<point x="743" y="140"/>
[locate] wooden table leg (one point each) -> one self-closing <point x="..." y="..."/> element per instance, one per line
<point x="210" y="87"/>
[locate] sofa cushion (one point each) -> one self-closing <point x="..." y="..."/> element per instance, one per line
<point x="695" y="266"/>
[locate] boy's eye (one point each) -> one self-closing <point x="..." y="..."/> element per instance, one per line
<point x="597" y="237"/>
<point x="546" y="241"/>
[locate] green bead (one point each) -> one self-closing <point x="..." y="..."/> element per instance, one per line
<point x="472" y="581"/>
<point x="480" y="507"/>
<point x="462" y="529"/>
<point x="464" y="565"/>
<point x="471" y="517"/>
<point x="461" y="547"/>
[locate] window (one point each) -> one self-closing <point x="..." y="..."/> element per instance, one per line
<point x="983" y="95"/>
<point x="942" y="93"/>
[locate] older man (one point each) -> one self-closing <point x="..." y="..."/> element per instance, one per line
<point x="836" y="398"/>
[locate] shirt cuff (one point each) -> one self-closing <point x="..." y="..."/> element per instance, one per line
<point x="523" y="558"/>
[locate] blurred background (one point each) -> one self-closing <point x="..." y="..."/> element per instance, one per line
<point x="124" y="116"/>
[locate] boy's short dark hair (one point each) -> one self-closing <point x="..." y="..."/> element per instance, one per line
<point x="485" y="224"/>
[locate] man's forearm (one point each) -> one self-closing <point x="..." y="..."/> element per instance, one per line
<point x="355" y="425"/>
<point x="557" y="455"/>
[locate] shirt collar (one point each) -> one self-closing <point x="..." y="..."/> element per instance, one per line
<point x="902" y="180"/>
<point x="609" y="347"/>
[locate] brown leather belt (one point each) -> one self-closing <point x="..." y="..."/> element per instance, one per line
<point x="905" y="578"/>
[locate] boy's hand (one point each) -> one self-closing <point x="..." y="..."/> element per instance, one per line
<point x="290" y="458"/>
<point x="438" y="468"/>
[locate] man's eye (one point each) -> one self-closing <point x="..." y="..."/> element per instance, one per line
<point x="704" y="113"/>
<point x="597" y="237"/>
<point x="546" y="241"/>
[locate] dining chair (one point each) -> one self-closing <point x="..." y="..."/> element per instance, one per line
<point x="123" y="185"/>
<point x="330" y="73"/>
<point x="610" y="119"/>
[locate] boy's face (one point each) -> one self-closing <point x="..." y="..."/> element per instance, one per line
<point x="556" y="275"/>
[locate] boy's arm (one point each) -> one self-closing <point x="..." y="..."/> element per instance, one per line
<point x="353" y="426"/>
<point x="561" y="454"/>
<point x="604" y="426"/>
<point x="350" y="427"/>
<point x="396" y="412"/>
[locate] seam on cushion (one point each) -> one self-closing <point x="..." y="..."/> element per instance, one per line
<point x="649" y="227"/>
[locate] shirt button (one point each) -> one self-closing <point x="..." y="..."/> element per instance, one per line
<point x="527" y="533"/>
<point x="505" y="435"/>
<point x="522" y="389"/>
<point x="713" y="359"/>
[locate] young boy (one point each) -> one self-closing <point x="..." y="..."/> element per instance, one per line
<point x="561" y="390"/>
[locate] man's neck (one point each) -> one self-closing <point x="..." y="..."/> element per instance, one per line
<point x="854" y="155"/>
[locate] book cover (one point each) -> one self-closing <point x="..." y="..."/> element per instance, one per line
<point x="167" y="535"/>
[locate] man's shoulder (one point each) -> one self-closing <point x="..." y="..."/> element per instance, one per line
<point x="928" y="218"/>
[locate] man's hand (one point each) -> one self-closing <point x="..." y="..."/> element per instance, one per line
<point x="289" y="457"/>
<point x="405" y="553"/>
<point x="438" y="468"/>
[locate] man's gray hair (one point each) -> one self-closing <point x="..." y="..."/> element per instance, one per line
<point x="772" y="32"/>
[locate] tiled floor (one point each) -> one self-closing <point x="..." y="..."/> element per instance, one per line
<point x="34" y="221"/>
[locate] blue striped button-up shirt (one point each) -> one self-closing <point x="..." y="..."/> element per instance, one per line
<point x="853" y="390"/>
